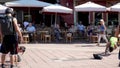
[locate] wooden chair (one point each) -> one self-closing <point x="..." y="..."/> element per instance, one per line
<point x="26" y="38"/>
<point x="68" y="37"/>
<point x="1" y="39"/>
<point x="94" y="38"/>
<point x="47" y="38"/>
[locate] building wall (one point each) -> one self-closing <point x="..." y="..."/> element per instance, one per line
<point x="68" y="18"/>
<point x="70" y="4"/>
<point x="106" y="3"/>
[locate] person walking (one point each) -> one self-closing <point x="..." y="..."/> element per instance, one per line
<point x="102" y="33"/>
<point x="9" y="30"/>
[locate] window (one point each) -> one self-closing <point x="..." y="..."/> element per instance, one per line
<point x="112" y="19"/>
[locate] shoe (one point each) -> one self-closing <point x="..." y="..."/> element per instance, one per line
<point x="119" y="64"/>
<point x="2" y="66"/>
<point x="107" y="54"/>
<point x="12" y="66"/>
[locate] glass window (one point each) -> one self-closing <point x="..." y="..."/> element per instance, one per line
<point x="112" y="19"/>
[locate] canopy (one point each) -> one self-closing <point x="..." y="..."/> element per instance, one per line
<point x="2" y="8"/>
<point x="115" y="7"/>
<point x="27" y="3"/>
<point x="90" y="6"/>
<point x="57" y="9"/>
<point x="6" y="0"/>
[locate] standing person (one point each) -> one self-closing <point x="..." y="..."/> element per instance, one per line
<point x="102" y="33"/>
<point x="9" y="33"/>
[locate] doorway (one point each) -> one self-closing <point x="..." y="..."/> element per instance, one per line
<point x="84" y="18"/>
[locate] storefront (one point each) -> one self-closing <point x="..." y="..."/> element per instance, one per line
<point x="111" y="18"/>
<point x="93" y="17"/>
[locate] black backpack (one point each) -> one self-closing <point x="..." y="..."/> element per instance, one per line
<point x="97" y="56"/>
<point x="7" y="26"/>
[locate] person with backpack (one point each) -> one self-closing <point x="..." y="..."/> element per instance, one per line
<point x="10" y="32"/>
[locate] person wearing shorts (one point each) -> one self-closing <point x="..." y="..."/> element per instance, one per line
<point x="10" y="41"/>
<point x="10" y="46"/>
<point x="111" y="45"/>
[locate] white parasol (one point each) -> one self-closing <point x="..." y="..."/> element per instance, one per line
<point x="90" y="6"/>
<point x="57" y="9"/>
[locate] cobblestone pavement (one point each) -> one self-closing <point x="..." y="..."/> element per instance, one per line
<point x="66" y="56"/>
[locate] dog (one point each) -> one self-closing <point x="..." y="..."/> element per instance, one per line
<point x="21" y="49"/>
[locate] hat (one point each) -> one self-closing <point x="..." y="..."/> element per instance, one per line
<point x="9" y="10"/>
<point x="101" y="20"/>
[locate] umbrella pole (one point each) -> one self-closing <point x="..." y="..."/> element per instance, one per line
<point x="51" y="19"/>
<point x="55" y="18"/>
<point x="119" y="18"/>
<point x="89" y="18"/>
<point x="29" y="13"/>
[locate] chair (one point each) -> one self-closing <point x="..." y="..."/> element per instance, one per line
<point x="1" y="39"/>
<point x="26" y="38"/>
<point x="68" y="37"/>
<point x="94" y="38"/>
<point x="47" y="38"/>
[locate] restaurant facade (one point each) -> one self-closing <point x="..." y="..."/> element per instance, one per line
<point x="111" y="18"/>
<point x="38" y="17"/>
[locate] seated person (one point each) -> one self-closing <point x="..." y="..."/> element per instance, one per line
<point x="90" y="31"/>
<point x="21" y="29"/>
<point x="31" y="30"/>
<point x="112" y="44"/>
<point x="81" y="29"/>
<point x="71" y="29"/>
<point x="57" y="32"/>
<point x="25" y="23"/>
<point x="66" y="26"/>
<point x="43" y="25"/>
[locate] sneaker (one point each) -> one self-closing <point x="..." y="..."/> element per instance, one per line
<point x="2" y="66"/>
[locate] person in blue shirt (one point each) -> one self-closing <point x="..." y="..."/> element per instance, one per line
<point x="102" y="32"/>
<point x="81" y="28"/>
<point x="31" y="30"/>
